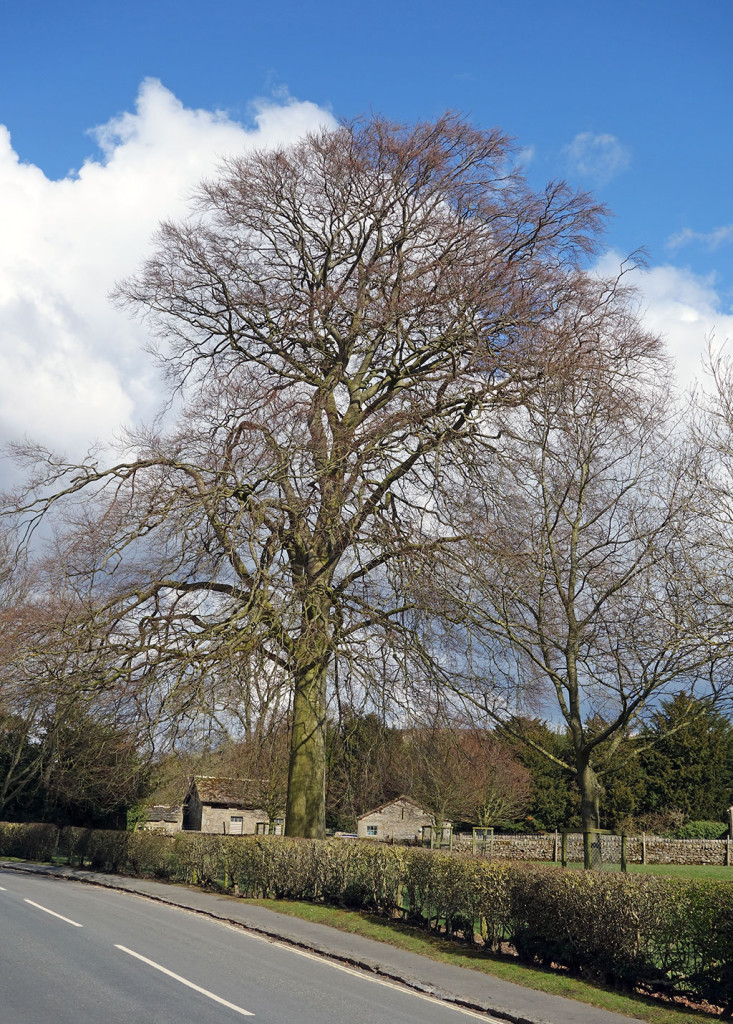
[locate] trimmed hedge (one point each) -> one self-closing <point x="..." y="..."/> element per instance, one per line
<point x="638" y="932"/>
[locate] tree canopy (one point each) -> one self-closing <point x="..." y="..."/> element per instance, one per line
<point x="334" y="321"/>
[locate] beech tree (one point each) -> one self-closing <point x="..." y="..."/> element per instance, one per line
<point x="334" y="319"/>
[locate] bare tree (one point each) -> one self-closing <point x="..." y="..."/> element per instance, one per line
<point x="578" y="591"/>
<point x="498" y="785"/>
<point x="333" y="320"/>
<point x="461" y="773"/>
<point x="713" y="431"/>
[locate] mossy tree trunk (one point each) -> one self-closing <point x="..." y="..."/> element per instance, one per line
<point x="306" y="804"/>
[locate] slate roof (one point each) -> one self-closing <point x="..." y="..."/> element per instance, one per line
<point x="224" y="792"/>
<point x="164" y="812"/>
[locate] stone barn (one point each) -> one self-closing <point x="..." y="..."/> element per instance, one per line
<point x="227" y="806"/>
<point x="400" y="820"/>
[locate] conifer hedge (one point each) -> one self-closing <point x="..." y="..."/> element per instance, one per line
<point x="648" y="932"/>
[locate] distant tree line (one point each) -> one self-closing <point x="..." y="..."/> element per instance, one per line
<point x="678" y="770"/>
<point x="82" y="771"/>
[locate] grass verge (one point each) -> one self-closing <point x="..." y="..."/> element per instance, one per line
<point x="395" y="933"/>
<point x="703" y="871"/>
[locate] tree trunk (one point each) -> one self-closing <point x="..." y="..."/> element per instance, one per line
<point x="590" y="791"/>
<point x="305" y="813"/>
<point x="306" y="805"/>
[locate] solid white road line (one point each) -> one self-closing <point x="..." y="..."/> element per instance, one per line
<point x="404" y="989"/>
<point x="365" y="976"/>
<point x="184" y="981"/>
<point x="54" y="914"/>
<point x="3" y="889"/>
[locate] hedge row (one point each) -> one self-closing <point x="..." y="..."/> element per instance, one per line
<point x="639" y="932"/>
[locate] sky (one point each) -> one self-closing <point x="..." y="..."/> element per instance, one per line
<point x="110" y="113"/>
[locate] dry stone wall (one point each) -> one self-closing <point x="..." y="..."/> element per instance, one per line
<point x="639" y="849"/>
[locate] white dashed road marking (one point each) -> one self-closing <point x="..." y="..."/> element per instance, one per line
<point x="184" y="981"/>
<point x="54" y="914"/>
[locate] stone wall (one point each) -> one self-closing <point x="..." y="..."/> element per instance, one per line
<point x="219" y="819"/>
<point x="639" y="849"/>
<point x="529" y="847"/>
<point x="167" y="828"/>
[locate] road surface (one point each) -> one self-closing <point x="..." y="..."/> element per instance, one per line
<point x="76" y="954"/>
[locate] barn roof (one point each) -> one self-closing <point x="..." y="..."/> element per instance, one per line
<point x="164" y="812"/>
<point x="216" y="789"/>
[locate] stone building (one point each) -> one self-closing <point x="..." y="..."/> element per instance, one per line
<point x="401" y="820"/>
<point x="165" y="818"/>
<point x="227" y="806"/>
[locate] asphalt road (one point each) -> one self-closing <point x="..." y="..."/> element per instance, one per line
<point x="74" y="954"/>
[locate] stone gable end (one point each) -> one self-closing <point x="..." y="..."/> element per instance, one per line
<point x="401" y="820"/>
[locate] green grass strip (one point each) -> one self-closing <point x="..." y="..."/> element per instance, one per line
<point x="395" y="933"/>
<point x="714" y="871"/>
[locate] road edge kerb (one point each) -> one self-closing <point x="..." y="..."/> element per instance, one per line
<point x="372" y="967"/>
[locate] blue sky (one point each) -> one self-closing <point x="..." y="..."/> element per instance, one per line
<point x="632" y="100"/>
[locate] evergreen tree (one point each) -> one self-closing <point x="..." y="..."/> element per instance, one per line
<point x="689" y="767"/>
<point x="554" y="798"/>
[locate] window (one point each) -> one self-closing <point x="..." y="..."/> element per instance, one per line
<point x="372" y="830"/>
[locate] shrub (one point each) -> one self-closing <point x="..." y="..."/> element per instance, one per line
<point x="151" y="854"/>
<point x="107" y="850"/>
<point x="197" y="857"/>
<point x="654" y="823"/>
<point x="591" y="923"/>
<point x="700" y="830"/>
<point x="31" y="841"/>
<point x="364" y="875"/>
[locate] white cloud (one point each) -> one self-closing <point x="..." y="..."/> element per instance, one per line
<point x="686" y="309"/>
<point x="598" y="157"/>
<point x="710" y="239"/>
<point x="71" y="366"/>
<point x="526" y="155"/>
